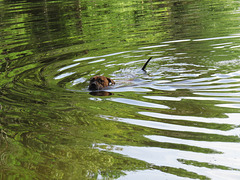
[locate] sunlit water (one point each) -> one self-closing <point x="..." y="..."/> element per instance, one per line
<point x="178" y="120"/>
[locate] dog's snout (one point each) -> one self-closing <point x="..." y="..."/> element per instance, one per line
<point x="93" y="85"/>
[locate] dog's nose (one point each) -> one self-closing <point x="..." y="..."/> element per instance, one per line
<point x="93" y="86"/>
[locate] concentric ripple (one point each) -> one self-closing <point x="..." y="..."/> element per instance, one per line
<point x="182" y="105"/>
<point x="182" y="115"/>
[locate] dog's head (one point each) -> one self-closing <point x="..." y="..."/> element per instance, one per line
<point x="99" y="82"/>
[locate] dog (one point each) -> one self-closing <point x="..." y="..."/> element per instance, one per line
<point x="101" y="82"/>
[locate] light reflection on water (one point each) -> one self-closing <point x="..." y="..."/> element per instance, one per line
<point x="179" y="159"/>
<point x="190" y="141"/>
<point x="178" y="120"/>
<point x="204" y="85"/>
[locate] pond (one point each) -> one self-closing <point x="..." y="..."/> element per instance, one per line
<point x="178" y="120"/>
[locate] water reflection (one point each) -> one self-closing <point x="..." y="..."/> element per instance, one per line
<point x="101" y="93"/>
<point x="178" y="120"/>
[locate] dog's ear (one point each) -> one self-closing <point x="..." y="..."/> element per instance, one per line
<point x="92" y="78"/>
<point x="110" y="81"/>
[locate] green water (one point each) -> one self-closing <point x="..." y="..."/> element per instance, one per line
<point x="179" y="120"/>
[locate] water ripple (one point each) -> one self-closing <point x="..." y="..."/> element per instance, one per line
<point x="232" y="118"/>
<point x="222" y="165"/>
<point x="174" y="127"/>
<point x="138" y="103"/>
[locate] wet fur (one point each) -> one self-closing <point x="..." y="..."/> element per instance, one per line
<point x="100" y="82"/>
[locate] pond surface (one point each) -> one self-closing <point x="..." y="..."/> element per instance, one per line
<point x="179" y="120"/>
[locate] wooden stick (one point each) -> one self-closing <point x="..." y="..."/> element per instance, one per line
<point x="143" y="68"/>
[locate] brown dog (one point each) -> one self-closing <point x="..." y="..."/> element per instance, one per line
<point x="100" y="82"/>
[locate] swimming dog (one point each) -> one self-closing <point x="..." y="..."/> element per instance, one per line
<point x="101" y="82"/>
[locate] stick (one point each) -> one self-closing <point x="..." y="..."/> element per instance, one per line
<point x="143" y="68"/>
